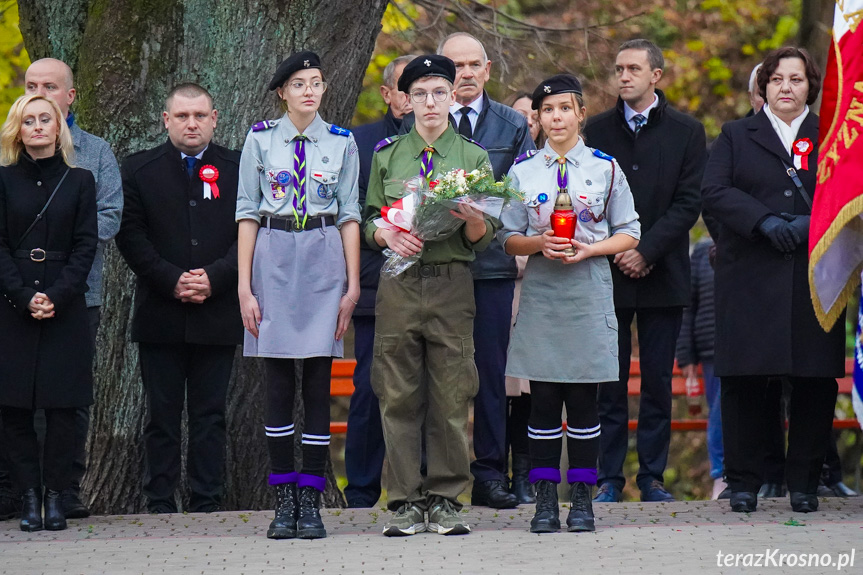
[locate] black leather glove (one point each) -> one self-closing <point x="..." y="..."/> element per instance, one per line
<point x="799" y="226"/>
<point x="778" y="231"/>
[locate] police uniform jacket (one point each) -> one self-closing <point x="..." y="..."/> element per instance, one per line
<point x="664" y="165"/>
<point x="765" y="322"/>
<point x="169" y="228"/>
<point x="46" y="363"/>
<point x="367" y="137"/>
<point x="398" y="159"/>
<point x="504" y="134"/>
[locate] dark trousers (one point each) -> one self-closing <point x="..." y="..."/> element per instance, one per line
<point x="745" y="430"/>
<point x="491" y="329"/>
<point x="364" y="445"/>
<point x="545" y="431"/>
<point x="516" y="426"/>
<point x="195" y="375"/>
<point x="82" y="425"/>
<point x="658" y="329"/>
<point x="23" y="447"/>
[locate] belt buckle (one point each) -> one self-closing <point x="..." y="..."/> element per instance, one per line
<point x="297" y="226"/>
<point x="35" y="254"/>
<point x="426" y="271"/>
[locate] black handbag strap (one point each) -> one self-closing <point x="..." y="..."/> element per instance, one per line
<point x="792" y="173"/>
<point x="41" y="213"/>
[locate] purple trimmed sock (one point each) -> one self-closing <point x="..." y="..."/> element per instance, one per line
<point x="544" y="473"/>
<point x="280" y="478"/>
<point x="581" y="475"/>
<point x="316" y="481"/>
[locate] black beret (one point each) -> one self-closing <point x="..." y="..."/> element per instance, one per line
<point x="560" y="84"/>
<point x="426" y="65"/>
<point x="299" y="61"/>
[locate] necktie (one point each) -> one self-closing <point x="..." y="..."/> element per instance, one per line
<point x="299" y="179"/>
<point x="427" y="166"/>
<point x="464" y="123"/>
<point x="190" y="165"/>
<point x="640" y="121"/>
<point x="562" y="179"/>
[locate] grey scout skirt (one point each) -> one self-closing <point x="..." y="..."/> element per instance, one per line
<point x="298" y="279"/>
<point x="566" y="328"/>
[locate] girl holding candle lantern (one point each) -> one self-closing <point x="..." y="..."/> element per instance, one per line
<point x="566" y="294"/>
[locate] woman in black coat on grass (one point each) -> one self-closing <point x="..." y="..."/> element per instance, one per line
<point x="765" y="323"/>
<point x="45" y="349"/>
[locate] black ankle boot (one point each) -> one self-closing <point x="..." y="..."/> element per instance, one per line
<point x="521" y="485"/>
<point x="547" y="516"/>
<point x="580" y="516"/>
<point x="55" y="520"/>
<point x="31" y="512"/>
<point x="284" y="525"/>
<point x="309" y="524"/>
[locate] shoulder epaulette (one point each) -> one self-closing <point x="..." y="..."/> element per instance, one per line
<point x="385" y="142"/>
<point x="525" y="156"/>
<point x="472" y="141"/>
<point x="265" y="125"/>
<point x="339" y="131"/>
<point x="603" y="155"/>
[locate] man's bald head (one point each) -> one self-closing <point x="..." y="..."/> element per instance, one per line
<point x="53" y="79"/>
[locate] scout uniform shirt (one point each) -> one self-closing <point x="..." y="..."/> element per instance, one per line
<point x="398" y="159"/>
<point x="576" y="300"/>
<point x="266" y="167"/>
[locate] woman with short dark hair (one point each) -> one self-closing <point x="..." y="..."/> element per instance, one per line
<point x="758" y="184"/>
<point x="45" y="347"/>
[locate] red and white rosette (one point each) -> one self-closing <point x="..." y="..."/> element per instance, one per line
<point x="209" y="174"/>
<point x="802" y="148"/>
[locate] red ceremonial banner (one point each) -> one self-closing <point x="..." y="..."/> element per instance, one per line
<point x="836" y="229"/>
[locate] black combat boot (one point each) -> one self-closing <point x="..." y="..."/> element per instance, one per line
<point x="547" y="516"/>
<point x="521" y="485"/>
<point x="580" y="516"/>
<point x="309" y="524"/>
<point x="284" y="525"/>
<point x="31" y="512"/>
<point x="55" y="520"/>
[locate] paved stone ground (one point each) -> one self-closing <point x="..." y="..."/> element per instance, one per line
<point x="680" y="537"/>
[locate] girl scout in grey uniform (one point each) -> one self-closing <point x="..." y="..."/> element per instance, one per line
<point x="298" y="251"/>
<point x="566" y="300"/>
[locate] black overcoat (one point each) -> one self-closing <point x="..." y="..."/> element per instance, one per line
<point x="765" y="322"/>
<point x="169" y="228"/>
<point x="664" y="165"/>
<point x="46" y="363"/>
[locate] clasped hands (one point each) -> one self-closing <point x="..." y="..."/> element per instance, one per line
<point x="553" y="248"/>
<point x="193" y="286"/>
<point x="41" y="306"/>
<point x="786" y="232"/>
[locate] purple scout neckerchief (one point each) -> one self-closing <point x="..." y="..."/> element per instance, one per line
<point x="299" y="177"/>
<point x="427" y="166"/>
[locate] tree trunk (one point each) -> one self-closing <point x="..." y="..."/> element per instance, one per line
<point x="126" y="56"/>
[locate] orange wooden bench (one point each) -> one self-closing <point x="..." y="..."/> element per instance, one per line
<point x="342" y="385"/>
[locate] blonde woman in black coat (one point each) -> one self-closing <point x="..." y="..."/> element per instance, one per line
<point x="765" y="322"/>
<point x="45" y="347"/>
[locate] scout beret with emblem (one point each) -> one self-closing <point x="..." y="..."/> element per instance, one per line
<point x="299" y="61"/>
<point x="560" y="84"/>
<point x="426" y="65"/>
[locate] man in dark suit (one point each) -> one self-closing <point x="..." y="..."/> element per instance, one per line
<point x="662" y="152"/>
<point x="179" y="237"/>
<point x="364" y="445"/>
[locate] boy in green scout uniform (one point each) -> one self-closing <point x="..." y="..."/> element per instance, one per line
<point x="423" y="370"/>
